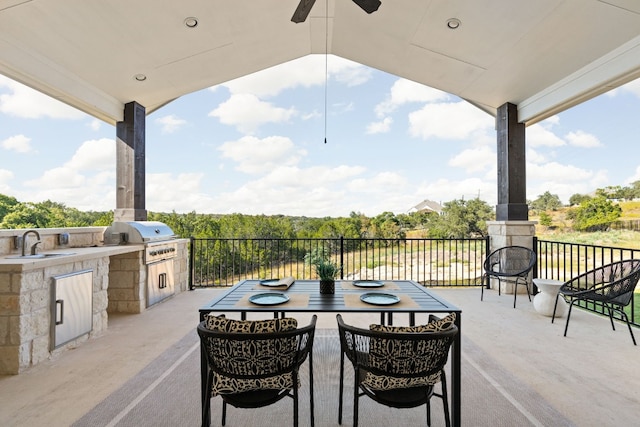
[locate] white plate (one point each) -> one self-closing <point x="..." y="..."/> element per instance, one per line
<point x="271" y="282"/>
<point x="269" y="298"/>
<point x="379" y="298"/>
<point x="368" y="283"/>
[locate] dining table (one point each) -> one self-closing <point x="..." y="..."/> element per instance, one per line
<point x="386" y="297"/>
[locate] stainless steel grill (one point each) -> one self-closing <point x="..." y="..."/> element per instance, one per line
<point x="158" y="255"/>
<point x="137" y="232"/>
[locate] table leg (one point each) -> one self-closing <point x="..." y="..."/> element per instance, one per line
<point x="204" y="393"/>
<point x="456" y="375"/>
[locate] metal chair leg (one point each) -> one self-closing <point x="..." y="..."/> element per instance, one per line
<point x="566" y="327"/>
<point x="341" y="392"/>
<point x="555" y="306"/>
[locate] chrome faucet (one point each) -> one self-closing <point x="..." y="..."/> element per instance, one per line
<point x="24" y="241"/>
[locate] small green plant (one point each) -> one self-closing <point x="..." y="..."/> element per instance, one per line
<point x="324" y="267"/>
<point x="327" y="269"/>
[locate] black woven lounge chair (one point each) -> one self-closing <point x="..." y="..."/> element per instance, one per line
<point x="512" y="263"/>
<point x="397" y="366"/>
<point x="611" y="286"/>
<point x="252" y="364"/>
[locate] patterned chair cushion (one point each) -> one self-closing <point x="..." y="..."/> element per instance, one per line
<point x="396" y="356"/>
<point x="222" y="324"/>
<point x="435" y="326"/>
<point x="251" y="357"/>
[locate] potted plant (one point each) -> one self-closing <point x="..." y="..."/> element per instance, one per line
<point x="327" y="270"/>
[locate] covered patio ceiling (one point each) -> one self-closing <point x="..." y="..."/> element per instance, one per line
<point x="544" y="55"/>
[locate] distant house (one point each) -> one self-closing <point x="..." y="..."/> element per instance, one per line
<point x="427" y="205"/>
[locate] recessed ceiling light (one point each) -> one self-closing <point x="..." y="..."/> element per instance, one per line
<point x="453" y="23"/>
<point x="191" y="22"/>
<point x="140" y="77"/>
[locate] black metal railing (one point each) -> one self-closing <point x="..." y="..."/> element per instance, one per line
<point x="432" y="262"/>
<point x="562" y="261"/>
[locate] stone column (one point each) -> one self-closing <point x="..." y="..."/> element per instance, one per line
<point x="130" y="165"/>
<point x="510" y="233"/>
<point x="512" y="172"/>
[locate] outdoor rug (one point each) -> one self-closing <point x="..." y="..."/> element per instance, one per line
<point x="167" y="393"/>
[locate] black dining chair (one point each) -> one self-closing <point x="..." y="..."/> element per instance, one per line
<point x="611" y="286"/>
<point x="255" y="363"/>
<point x="512" y="263"/>
<point x="397" y="366"/>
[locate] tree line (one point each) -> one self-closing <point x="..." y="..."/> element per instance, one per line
<point x="458" y="219"/>
<point x="587" y="212"/>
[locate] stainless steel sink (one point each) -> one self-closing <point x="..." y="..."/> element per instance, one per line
<point x="37" y="256"/>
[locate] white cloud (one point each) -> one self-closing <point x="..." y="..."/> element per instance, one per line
<point x="475" y="159"/>
<point x="95" y="124"/>
<point x="185" y="187"/>
<point x="170" y="123"/>
<point x="95" y="154"/>
<point x="453" y="120"/>
<point x="632" y="87"/>
<point x="25" y="102"/>
<point x="406" y="91"/>
<point x="17" y="143"/>
<point x="382" y="126"/>
<point x="444" y="190"/>
<point x="5" y="177"/>
<point x="255" y="155"/>
<point x="557" y="172"/>
<point x="85" y="182"/>
<point x="632" y="178"/>
<point x="583" y="139"/>
<point x="381" y="182"/>
<point x="534" y="156"/>
<point x="303" y="72"/>
<point x="540" y="135"/>
<point x="56" y="178"/>
<point x="246" y="112"/>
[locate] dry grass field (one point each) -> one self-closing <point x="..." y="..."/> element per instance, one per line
<point x="561" y="231"/>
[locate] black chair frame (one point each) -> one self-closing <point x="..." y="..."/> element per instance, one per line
<point x="509" y="262"/>
<point x="303" y="338"/>
<point x="354" y="344"/>
<point x="612" y="285"/>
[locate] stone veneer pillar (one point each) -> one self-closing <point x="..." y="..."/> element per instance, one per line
<point x="510" y="233"/>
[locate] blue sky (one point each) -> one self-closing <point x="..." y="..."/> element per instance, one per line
<point x="255" y="145"/>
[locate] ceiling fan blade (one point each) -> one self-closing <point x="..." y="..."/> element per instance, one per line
<point x="368" y="6"/>
<point x="302" y="11"/>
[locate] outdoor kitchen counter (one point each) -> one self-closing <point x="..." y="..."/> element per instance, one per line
<point x="75" y="255"/>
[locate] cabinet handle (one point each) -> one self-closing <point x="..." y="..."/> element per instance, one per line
<point x="162" y="280"/>
<point x="60" y="303"/>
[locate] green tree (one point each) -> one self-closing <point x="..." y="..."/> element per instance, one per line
<point x="26" y="215"/>
<point x="462" y="219"/>
<point x="576" y="199"/>
<point x="6" y="204"/>
<point x="546" y="202"/>
<point x="545" y="219"/>
<point x="596" y="214"/>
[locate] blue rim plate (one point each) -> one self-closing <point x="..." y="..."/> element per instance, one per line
<point x="368" y="283"/>
<point x="271" y="282"/>
<point x="379" y="298"/>
<point x="269" y="298"/>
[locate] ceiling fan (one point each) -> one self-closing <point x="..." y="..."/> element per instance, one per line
<point x="304" y="7"/>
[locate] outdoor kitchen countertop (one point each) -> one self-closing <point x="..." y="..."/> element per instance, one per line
<point x="74" y="254"/>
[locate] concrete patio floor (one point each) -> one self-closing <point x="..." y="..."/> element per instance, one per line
<point x="591" y="376"/>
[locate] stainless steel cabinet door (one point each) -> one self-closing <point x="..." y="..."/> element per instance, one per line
<point x="72" y="306"/>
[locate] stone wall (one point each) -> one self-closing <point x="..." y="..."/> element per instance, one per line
<point x="25" y="312"/>
<point x="128" y="279"/>
<point x="78" y="237"/>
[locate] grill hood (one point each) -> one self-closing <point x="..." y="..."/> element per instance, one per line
<point x="137" y="232"/>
